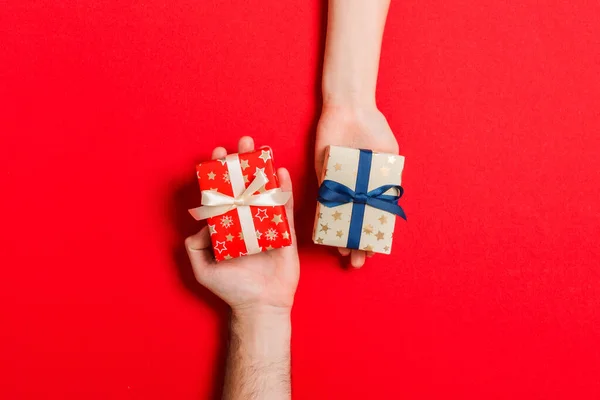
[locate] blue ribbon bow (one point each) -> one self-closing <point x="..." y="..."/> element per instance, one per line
<point x="333" y="194"/>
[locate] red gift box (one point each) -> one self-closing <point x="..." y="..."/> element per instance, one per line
<point x="243" y="204"/>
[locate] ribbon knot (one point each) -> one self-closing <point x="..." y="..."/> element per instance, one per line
<point x="215" y="203"/>
<point x="360" y="198"/>
<point x="333" y="194"/>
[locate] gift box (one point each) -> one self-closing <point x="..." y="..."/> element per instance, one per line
<point x="358" y="196"/>
<point x="242" y="204"/>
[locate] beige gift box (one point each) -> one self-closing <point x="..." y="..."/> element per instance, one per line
<point x="332" y="224"/>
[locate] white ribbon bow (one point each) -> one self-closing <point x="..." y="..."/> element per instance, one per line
<point x="215" y="203"/>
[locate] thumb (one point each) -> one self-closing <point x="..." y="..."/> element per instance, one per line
<point x="285" y="183"/>
<point x="199" y="251"/>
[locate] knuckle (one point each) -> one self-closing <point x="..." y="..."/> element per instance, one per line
<point x="188" y="242"/>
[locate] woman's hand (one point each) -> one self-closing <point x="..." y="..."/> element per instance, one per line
<point x="358" y="127"/>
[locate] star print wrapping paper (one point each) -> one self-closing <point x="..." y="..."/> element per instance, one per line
<point x="357" y="199"/>
<point x="246" y="229"/>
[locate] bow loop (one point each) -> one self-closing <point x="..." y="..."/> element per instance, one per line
<point x="215" y="203"/>
<point x="333" y="194"/>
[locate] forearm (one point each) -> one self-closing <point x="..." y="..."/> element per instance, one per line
<point x="258" y="364"/>
<point x="352" y="49"/>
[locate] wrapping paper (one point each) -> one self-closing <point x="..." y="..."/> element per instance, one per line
<point x="332" y="224"/>
<point x="243" y="229"/>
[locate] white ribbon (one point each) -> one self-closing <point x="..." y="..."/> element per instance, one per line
<point x="215" y="203"/>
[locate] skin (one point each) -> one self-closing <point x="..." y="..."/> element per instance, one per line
<point x="260" y="290"/>
<point x="350" y="116"/>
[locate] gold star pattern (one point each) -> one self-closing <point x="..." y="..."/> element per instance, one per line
<point x="320" y="215"/>
<point x="244" y="164"/>
<point x="226" y="177"/>
<point x="229" y="237"/>
<point x="212" y="229"/>
<point x="385" y="171"/>
<point x="246" y="180"/>
<point x="259" y="171"/>
<point x="285" y="235"/>
<point x="368" y="248"/>
<point x="324" y="228"/>
<point x="269" y="247"/>
<point x="337" y="215"/>
<point x="271" y="234"/>
<point x="379" y="235"/>
<point x="226" y="221"/>
<point x="261" y="214"/>
<point x="241" y="235"/>
<point x="338" y="167"/>
<point x="339" y="234"/>
<point x="319" y="240"/>
<point x="386" y="249"/>
<point x="211" y="175"/>
<point x="264" y="155"/>
<point x="391" y="159"/>
<point x="383" y="219"/>
<point x="227" y="257"/>
<point x="258" y="234"/>
<point x="368" y="229"/>
<point x="276" y="219"/>
<point x="222" y="248"/>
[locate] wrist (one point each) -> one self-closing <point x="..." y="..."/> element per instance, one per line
<point x="260" y="314"/>
<point x="348" y="96"/>
<point x="264" y="333"/>
<point x="349" y="112"/>
<point x="263" y="322"/>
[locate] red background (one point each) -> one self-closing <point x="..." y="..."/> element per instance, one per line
<point x="493" y="291"/>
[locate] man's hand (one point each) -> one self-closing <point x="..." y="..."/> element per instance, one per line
<point x="260" y="289"/>
<point x="261" y="283"/>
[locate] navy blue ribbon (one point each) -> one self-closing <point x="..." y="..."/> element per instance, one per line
<point x="333" y="194"/>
